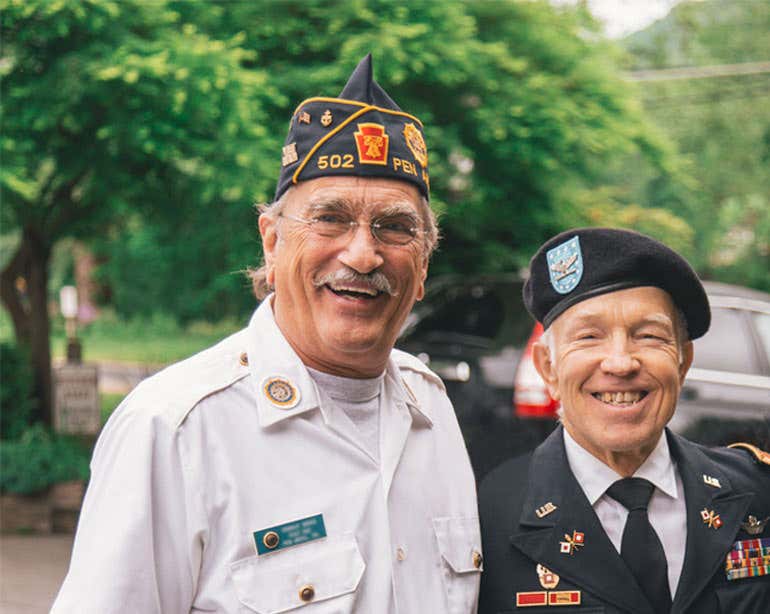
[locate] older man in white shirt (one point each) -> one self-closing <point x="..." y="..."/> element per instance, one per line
<point x="301" y="465"/>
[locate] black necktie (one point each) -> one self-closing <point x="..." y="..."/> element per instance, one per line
<point x="640" y="548"/>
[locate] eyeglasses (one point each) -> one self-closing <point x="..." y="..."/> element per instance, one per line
<point x="397" y="229"/>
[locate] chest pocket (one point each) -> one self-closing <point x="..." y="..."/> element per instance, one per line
<point x="459" y="544"/>
<point x="319" y="577"/>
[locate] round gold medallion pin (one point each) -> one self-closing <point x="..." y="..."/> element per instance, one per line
<point x="281" y="392"/>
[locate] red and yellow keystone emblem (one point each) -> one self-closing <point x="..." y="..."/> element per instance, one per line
<point x="372" y="144"/>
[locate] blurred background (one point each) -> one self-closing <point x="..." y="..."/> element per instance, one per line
<point x="137" y="135"/>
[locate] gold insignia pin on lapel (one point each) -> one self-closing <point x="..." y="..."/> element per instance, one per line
<point x="326" y="118"/>
<point x="572" y="543"/>
<point x="711" y="481"/>
<point x="546" y="509"/>
<point x="281" y="392"/>
<point x="711" y="518"/>
<point x="753" y="526"/>
<point x="547" y="578"/>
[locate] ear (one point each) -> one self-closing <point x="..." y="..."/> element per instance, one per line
<point x="423" y="276"/>
<point x="269" y="233"/>
<point x="541" y="356"/>
<point x="688" y="353"/>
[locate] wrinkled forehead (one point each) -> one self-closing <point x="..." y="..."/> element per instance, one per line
<point x="628" y="307"/>
<point x="355" y="194"/>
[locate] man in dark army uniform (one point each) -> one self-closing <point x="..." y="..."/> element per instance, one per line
<point x="614" y="513"/>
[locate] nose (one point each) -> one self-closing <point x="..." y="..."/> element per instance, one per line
<point x="362" y="251"/>
<point x="619" y="360"/>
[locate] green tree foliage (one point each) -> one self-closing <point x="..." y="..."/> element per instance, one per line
<point x="721" y="126"/>
<point x="110" y="109"/>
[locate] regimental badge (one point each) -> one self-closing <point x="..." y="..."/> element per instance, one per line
<point x="711" y="518"/>
<point x="565" y="265"/>
<point x="546" y="509"/>
<point x="711" y="481"/>
<point x="304" y="117"/>
<point x="547" y="578"/>
<point x="281" y="392"/>
<point x="416" y="144"/>
<point x="372" y="144"/>
<point x="753" y="526"/>
<point x="289" y="154"/>
<point x="326" y="118"/>
<point x="572" y="543"/>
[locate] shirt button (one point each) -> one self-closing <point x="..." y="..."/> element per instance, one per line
<point x="307" y="592"/>
<point x="477" y="559"/>
<point x="244" y="359"/>
<point x="401" y="553"/>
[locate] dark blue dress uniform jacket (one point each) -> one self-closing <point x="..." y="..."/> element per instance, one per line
<point x="515" y="539"/>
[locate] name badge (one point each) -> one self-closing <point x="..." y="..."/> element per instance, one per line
<point x="289" y="534"/>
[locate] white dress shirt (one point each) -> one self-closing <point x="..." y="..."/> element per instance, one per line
<point x="200" y="456"/>
<point x="667" y="510"/>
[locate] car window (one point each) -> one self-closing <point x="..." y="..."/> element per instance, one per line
<point x="477" y="311"/>
<point x="728" y="345"/>
<point x="762" y="322"/>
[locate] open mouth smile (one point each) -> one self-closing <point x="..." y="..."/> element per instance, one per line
<point x="354" y="291"/>
<point x="620" y="399"/>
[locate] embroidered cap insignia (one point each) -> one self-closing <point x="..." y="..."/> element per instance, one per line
<point x="565" y="265"/>
<point x="304" y="117"/>
<point x="326" y="118"/>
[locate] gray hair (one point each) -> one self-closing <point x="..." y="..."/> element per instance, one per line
<point x="258" y="276"/>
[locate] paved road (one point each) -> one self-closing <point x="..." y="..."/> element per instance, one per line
<point x="32" y="568"/>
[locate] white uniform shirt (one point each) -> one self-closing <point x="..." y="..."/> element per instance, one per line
<point x="667" y="510"/>
<point x="197" y="458"/>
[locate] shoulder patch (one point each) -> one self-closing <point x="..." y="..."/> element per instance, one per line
<point x="761" y="457"/>
<point x="406" y="361"/>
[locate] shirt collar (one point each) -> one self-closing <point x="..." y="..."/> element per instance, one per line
<point x="595" y="477"/>
<point x="271" y="357"/>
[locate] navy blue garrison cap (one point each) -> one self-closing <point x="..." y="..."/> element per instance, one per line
<point x="585" y="262"/>
<point x="362" y="133"/>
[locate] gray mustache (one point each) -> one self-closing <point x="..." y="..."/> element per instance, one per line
<point x="375" y="279"/>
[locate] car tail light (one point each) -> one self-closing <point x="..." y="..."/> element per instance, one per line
<point x="530" y="396"/>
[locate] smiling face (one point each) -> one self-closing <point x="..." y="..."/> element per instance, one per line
<point x="340" y="302"/>
<point x="617" y="366"/>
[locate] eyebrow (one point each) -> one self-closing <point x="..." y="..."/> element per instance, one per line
<point x="590" y="318"/>
<point x="390" y="210"/>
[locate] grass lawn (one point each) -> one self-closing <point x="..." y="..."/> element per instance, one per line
<point x="156" y="340"/>
<point x="108" y="403"/>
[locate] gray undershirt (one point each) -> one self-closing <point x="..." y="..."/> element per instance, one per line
<point x="360" y="400"/>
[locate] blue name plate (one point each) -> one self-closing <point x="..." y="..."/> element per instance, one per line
<point x="289" y="534"/>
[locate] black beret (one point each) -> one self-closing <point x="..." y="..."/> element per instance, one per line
<point x="362" y="132"/>
<point x="585" y="262"/>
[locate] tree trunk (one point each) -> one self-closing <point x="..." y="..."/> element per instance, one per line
<point x="24" y="292"/>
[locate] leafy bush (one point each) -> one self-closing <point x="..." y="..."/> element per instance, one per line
<point x="39" y="459"/>
<point x="16" y="404"/>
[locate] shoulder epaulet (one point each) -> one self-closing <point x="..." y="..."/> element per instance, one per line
<point x="409" y="362"/>
<point x="762" y="457"/>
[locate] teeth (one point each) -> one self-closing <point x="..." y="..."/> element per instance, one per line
<point x="369" y="291"/>
<point x="620" y="398"/>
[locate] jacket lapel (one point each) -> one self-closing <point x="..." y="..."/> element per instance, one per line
<point x="707" y="545"/>
<point x="595" y="566"/>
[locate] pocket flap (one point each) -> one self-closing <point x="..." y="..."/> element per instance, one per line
<point x="271" y="583"/>
<point x="459" y="542"/>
